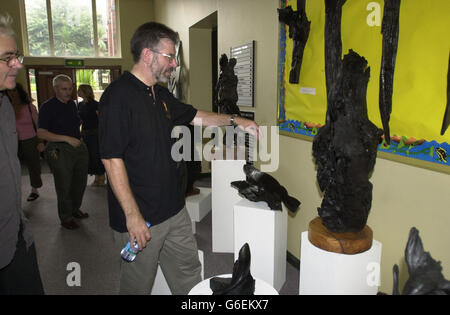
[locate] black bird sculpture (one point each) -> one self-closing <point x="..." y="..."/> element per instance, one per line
<point x="260" y="186"/>
<point x="425" y="273"/>
<point x="241" y="282"/>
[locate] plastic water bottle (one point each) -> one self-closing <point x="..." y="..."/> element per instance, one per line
<point x="128" y="253"/>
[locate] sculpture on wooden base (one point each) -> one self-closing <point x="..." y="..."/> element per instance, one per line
<point x="345" y="148"/>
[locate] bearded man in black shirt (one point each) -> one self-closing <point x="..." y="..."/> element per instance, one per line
<point x="135" y="123"/>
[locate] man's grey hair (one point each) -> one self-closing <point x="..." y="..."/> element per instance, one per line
<point x="5" y="25"/>
<point x="60" y="78"/>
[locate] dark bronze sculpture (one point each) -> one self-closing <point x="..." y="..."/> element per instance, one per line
<point x="446" y="120"/>
<point x="241" y="282"/>
<point x="260" y="186"/>
<point x="345" y="148"/>
<point x="299" y="28"/>
<point x="226" y="89"/>
<point x="226" y="93"/>
<point x="389" y="29"/>
<point x="425" y="273"/>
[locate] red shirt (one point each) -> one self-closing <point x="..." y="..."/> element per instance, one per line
<point x="24" y="124"/>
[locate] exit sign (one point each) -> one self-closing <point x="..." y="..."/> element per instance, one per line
<point x="74" y="63"/>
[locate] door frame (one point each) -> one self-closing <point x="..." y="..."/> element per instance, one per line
<point x="115" y="72"/>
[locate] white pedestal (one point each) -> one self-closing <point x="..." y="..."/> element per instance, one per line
<point x="160" y="286"/>
<point x="265" y="231"/>
<point x="223" y="198"/>
<point x="261" y="287"/>
<point x="199" y="205"/>
<point x="327" y="273"/>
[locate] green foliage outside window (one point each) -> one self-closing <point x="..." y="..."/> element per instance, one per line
<point x="72" y="29"/>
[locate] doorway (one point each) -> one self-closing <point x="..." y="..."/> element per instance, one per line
<point x="40" y="80"/>
<point x="203" y="70"/>
<point x="203" y="62"/>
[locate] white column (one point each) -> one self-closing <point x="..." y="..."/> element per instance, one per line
<point x="328" y="273"/>
<point x="223" y="198"/>
<point x="265" y="231"/>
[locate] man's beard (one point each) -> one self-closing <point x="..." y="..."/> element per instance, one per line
<point x="159" y="72"/>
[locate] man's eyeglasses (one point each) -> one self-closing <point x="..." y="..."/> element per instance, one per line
<point x="169" y="57"/>
<point x="12" y="58"/>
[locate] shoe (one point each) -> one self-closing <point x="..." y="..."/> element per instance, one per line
<point x="194" y="191"/>
<point x="98" y="184"/>
<point x="32" y="197"/>
<point x="70" y="225"/>
<point x="80" y="215"/>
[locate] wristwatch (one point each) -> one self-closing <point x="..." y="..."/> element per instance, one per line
<point x="232" y="122"/>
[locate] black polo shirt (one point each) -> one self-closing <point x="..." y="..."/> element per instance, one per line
<point x="60" y="118"/>
<point x="137" y="129"/>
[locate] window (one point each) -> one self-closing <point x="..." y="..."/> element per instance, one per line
<point x="67" y="28"/>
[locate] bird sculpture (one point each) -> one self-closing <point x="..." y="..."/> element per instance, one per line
<point x="260" y="186"/>
<point x="425" y="273"/>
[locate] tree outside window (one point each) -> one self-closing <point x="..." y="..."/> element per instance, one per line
<point x="66" y="28"/>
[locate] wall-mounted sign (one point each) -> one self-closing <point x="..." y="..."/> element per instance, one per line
<point x="244" y="70"/>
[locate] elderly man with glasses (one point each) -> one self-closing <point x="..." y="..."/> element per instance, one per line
<point x="19" y="273"/>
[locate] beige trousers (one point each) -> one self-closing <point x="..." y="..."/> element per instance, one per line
<point x="173" y="244"/>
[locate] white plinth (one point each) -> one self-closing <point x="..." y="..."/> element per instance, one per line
<point x="199" y="205"/>
<point x="261" y="287"/>
<point x="265" y="231"/>
<point x="327" y="273"/>
<point x="223" y="198"/>
<point x="160" y="286"/>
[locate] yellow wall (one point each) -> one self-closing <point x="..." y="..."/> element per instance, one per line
<point x="403" y="196"/>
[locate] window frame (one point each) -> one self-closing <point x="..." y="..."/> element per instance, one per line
<point x="26" y="46"/>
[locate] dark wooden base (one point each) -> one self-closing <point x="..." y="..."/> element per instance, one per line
<point x="342" y="243"/>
